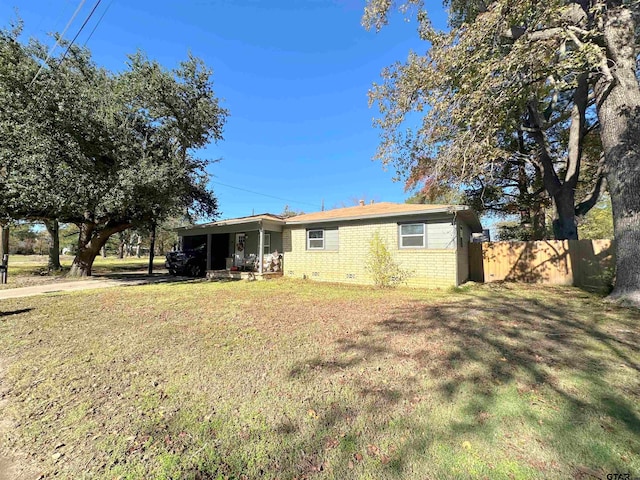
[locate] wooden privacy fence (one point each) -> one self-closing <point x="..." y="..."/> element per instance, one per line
<point x="584" y="263"/>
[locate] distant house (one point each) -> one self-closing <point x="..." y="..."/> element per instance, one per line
<point x="431" y="241"/>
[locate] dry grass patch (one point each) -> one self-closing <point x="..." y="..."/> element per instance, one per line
<point x="291" y="379"/>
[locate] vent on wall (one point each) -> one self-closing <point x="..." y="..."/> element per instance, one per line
<point x="351" y="275"/>
<point x="290" y="272"/>
<point x="315" y="274"/>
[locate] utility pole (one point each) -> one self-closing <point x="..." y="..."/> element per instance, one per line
<point x="4" y="252"/>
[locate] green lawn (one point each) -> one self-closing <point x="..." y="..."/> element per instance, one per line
<point x="29" y="270"/>
<point x="293" y="379"/>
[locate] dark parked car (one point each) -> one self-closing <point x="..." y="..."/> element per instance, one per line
<point x="191" y="262"/>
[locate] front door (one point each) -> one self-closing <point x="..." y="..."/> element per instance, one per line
<point x="238" y="257"/>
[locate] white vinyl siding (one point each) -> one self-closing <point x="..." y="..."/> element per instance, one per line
<point x="322" y="239"/>
<point x="441" y="235"/>
<point x="436" y="235"/>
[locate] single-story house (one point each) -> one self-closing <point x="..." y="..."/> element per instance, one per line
<point x="430" y="241"/>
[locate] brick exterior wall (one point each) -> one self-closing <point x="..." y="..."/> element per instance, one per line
<point x="430" y="267"/>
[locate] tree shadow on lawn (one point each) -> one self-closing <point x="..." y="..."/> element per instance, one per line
<point x="15" y="312"/>
<point x="572" y="370"/>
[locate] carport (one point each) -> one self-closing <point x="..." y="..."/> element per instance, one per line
<point x="239" y="242"/>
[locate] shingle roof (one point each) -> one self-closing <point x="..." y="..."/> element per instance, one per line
<point x="370" y="211"/>
<point x="381" y="209"/>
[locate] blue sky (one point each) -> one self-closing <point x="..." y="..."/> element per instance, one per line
<point x="293" y="74"/>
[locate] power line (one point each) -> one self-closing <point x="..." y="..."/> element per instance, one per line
<point x="55" y="45"/>
<point x="264" y="194"/>
<point x="81" y="28"/>
<point x="98" y="23"/>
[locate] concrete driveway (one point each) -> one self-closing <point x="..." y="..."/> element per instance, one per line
<point x="97" y="281"/>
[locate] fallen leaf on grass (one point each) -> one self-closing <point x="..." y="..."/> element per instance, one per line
<point x="373" y="451"/>
<point x="331" y="443"/>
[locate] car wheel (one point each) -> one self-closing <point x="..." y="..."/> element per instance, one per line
<point x="172" y="271"/>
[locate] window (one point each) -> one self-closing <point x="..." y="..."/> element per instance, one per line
<point x="412" y="235"/>
<point x="315" y="239"/>
<point x="266" y="245"/>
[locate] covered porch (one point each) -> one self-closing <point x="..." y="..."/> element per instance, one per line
<point x="248" y="247"/>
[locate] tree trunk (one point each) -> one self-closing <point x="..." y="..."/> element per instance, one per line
<point x="83" y="262"/>
<point x="90" y="241"/>
<point x="618" y="104"/>
<point x="564" y="224"/>
<point x="152" y="247"/>
<point x="562" y="192"/>
<point x="53" y="228"/>
<point x="121" y="246"/>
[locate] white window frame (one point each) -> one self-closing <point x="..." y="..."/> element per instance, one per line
<point x="266" y="244"/>
<point x="309" y="247"/>
<point x="423" y="235"/>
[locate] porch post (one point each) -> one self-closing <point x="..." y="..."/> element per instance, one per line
<point x="208" y="252"/>
<point x="261" y="252"/>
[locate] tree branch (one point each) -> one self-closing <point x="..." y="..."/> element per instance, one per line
<point x="517" y="32"/>
<point x="592" y="198"/>
<point x="545" y="161"/>
<point x="576" y="130"/>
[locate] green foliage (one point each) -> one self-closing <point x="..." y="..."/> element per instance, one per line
<point x="442" y="195"/>
<point x="24" y="239"/>
<point x="101" y="149"/>
<point x="598" y="222"/>
<point x="512" y="231"/>
<point x="495" y="103"/>
<point x="384" y="271"/>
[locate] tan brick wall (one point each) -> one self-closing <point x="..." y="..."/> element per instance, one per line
<point x="429" y="267"/>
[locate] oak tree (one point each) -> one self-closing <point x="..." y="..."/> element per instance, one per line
<point x="556" y="71"/>
<point x="103" y="150"/>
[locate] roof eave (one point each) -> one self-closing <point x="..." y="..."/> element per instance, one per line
<point x="451" y="210"/>
<point x="231" y="221"/>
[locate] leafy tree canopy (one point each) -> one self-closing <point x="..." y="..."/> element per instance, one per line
<point x="553" y="82"/>
<point x="100" y="149"/>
